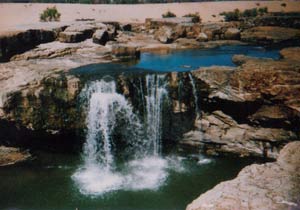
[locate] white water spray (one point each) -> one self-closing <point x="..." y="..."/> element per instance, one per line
<point x="156" y="94"/>
<point x="106" y="108"/>
<point x="197" y="109"/>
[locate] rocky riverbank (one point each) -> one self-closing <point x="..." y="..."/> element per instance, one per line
<point x="251" y="109"/>
<point x="267" y="186"/>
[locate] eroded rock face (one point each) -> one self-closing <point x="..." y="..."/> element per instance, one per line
<point x="219" y="133"/>
<point x="267" y="186"/>
<point x="11" y="155"/>
<point x="19" y="41"/>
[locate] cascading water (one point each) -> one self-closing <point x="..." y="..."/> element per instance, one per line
<point x="156" y="93"/>
<point x="197" y="108"/>
<point x="106" y="108"/>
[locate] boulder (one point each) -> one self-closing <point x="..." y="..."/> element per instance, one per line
<point x="265" y="186"/>
<point x="126" y="27"/>
<point x="11" y="155"/>
<point x="125" y="51"/>
<point x="100" y="36"/>
<point x="112" y="31"/>
<point x="167" y="34"/>
<point x="202" y="37"/>
<point x="268" y="35"/>
<point x="232" y="33"/>
<point x="76" y="33"/>
<point x="71" y="37"/>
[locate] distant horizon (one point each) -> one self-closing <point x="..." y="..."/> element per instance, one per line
<point x="111" y="1"/>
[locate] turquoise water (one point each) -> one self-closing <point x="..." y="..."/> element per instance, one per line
<point x="46" y="184"/>
<point x="185" y="60"/>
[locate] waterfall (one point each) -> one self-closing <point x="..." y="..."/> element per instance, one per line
<point x="107" y="111"/>
<point x="105" y="108"/>
<point x="197" y="108"/>
<point x="156" y="93"/>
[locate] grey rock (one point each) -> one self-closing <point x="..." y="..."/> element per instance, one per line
<point x="266" y="186"/>
<point x="100" y="36"/>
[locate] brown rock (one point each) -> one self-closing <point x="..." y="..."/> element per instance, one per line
<point x="232" y="33"/>
<point x="10" y="155"/>
<point x="125" y="51"/>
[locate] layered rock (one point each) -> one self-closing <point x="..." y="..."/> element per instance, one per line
<point x="267" y="186"/>
<point x="76" y="33"/>
<point x="218" y="133"/>
<point x="249" y="110"/>
<point x="16" y="42"/>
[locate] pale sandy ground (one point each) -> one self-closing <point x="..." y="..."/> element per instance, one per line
<point x="17" y="16"/>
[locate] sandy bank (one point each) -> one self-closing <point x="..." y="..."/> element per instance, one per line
<point x="17" y="16"/>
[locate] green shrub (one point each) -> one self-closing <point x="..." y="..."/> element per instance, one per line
<point x="263" y="10"/>
<point x="50" y="14"/>
<point x="236" y="15"/>
<point x="168" y="15"/>
<point x="250" y="13"/>
<point x="195" y="17"/>
<point x="231" y="16"/>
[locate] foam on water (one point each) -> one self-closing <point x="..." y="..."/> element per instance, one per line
<point x="99" y="174"/>
<point x="149" y="173"/>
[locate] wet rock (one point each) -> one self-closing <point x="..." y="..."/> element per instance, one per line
<point x="10" y="155"/>
<point x="100" y="36"/>
<point x="266" y="186"/>
<point x="271" y="35"/>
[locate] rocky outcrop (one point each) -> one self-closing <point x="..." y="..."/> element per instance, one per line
<point x="218" y="133"/>
<point x="13" y="43"/>
<point x="100" y="36"/>
<point x="10" y="155"/>
<point x="76" y="33"/>
<point x="267" y="186"/>
<point x="152" y="23"/>
<point x="167" y="34"/>
<point x="125" y="51"/>
<point x="268" y="35"/>
<point x="252" y="108"/>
